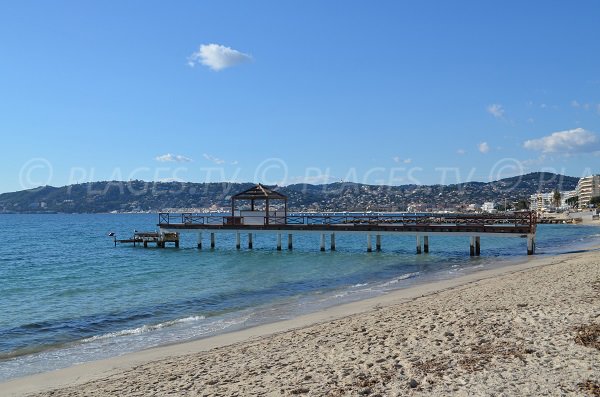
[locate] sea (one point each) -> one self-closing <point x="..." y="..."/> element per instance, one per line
<point x="68" y="295"/>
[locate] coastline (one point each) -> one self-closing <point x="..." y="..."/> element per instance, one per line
<point x="159" y="358"/>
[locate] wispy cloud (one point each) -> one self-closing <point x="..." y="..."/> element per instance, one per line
<point x="483" y="147"/>
<point x="173" y="158"/>
<point x="214" y="159"/>
<point x="217" y="57"/>
<point x="398" y="159"/>
<point x="496" y="110"/>
<point x="461" y="152"/>
<point x="218" y="160"/>
<point x="577" y="140"/>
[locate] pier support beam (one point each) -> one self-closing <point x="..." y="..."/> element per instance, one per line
<point x="477" y="246"/>
<point x="278" y="241"/>
<point x="369" y="247"/>
<point x="418" y="244"/>
<point x="472" y="246"/>
<point x="212" y="240"/>
<point x="199" y="240"/>
<point x="333" y="241"/>
<point x="238" y="243"/>
<point x="378" y="242"/>
<point x="290" y="246"/>
<point x="530" y="244"/>
<point x="322" y="241"/>
<point x="426" y="244"/>
<point x="250" y="241"/>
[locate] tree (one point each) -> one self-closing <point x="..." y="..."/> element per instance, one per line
<point x="523" y="205"/>
<point x="595" y="201"/>
<point x="556" y="198"/>
<point x="573" y="201"/>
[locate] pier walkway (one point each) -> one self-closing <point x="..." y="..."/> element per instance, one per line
<point x="422" y="226"/>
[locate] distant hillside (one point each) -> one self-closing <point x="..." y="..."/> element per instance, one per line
<point x="158" y="196"/>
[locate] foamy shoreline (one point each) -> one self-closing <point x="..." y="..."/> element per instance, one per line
<point x="380" y="345"/>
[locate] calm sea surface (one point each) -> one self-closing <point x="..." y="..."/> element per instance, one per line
<point x="67" y="295"/>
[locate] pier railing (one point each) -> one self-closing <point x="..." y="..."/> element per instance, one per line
<point x="521" y="219"/>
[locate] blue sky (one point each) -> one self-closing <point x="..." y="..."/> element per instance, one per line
<point x="283" y="92"/>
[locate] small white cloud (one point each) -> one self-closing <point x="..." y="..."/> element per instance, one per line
<point x="575" y="104"/>
<point x="461" y="152"/>
<point x="496" y="110"/>
<point x="543" y="106"/>
<point x="398" y="159"/>
<point x="235" y="162"/>
<point x="217" y="57"/>
<point x="577" y="140"/>
<point x="483" y="147"/>
<point x="173" y="158"/>
<point x="214" y="159"/>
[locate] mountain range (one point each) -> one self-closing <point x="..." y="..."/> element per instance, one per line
<point x="140" y="196"/>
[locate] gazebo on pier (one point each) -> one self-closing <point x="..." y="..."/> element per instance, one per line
<point x="258" y="216"/>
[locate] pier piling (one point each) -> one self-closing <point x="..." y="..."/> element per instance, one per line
<point x="426" y="244"/>
<point x="212" y="240"/>
<point x="238" y="244"/>
<point x="278" y="241"/>
<point x="477" y="246"/>
<point x="333" y="241"/>
<point x="378" y="242"/>
<point x="250" y="241"/>
<point x="290" y="242"/>
<point x="322" y="242"/>
<point x="199" y="240"/>
<point x="369" y="247"/>
<point x="418" y="244"/>
<point x="472" y="246"/>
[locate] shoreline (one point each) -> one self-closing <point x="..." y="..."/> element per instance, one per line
<point x="97" y="370"/>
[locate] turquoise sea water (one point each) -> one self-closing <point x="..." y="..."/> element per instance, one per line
<point x="67" y="295"/>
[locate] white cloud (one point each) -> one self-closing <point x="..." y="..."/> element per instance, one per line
<point x="575" y="104"/>
<point x="577" y="140"/>
<point x="214" y="159"/>
<point x="460" y="152"/>
<point x="173" y="158"/>
<point x="217" y="57"/>
<point x="483" y="147"/>
<point x="496" y="110"/>
<point x="397" y="159"/>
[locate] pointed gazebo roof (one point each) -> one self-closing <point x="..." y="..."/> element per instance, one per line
<point x="259" y="192"/>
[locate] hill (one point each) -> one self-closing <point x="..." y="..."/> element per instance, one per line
<point x="137" y="196"/>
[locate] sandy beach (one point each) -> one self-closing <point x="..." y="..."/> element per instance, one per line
<point x="527" y="329"/>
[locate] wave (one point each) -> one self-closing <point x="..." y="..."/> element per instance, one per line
<point x="143" y="329"/>
<point x="405" y="276"/>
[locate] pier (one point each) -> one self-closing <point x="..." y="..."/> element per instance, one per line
<point x="269" y="218"/>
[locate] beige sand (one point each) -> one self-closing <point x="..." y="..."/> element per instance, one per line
<point x="509" y="331"/>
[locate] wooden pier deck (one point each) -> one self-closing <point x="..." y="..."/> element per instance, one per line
<point x="422" y="226"/>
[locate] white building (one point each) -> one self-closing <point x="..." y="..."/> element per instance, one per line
<point x="489" y="207"/>
<point x="587" y="188"/>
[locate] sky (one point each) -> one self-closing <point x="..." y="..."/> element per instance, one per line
<point x="282" y="92"/>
